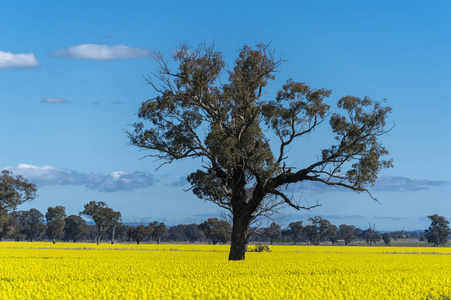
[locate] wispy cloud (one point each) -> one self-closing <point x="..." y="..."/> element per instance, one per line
<point x="383" y="184"/>
<point x="102" y="52"/>
<point x="181" y="182"/>
<point x="114" y="182"/>
<point x="404" y="184"/>
<point x="10" y="60"/>
<point x="53" y="100"/>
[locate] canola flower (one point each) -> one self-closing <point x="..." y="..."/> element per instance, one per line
<point x="124" y="271"/>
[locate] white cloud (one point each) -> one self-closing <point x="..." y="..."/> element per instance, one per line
<point x="21" y="60"/>
<point x="53" y="100"/>
<point x="102" y="52"/>
<point x="114" y="182"/>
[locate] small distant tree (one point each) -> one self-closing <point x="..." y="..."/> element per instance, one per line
<point x="386" y="237"/>
<point x="217" y="230"/>
<point x="438" y="232"/>
<point x="332" y="233"/>
<point x="7" y="226"/>
<point x="176" y="233"/>
<point x="273" y="232"/>
<point x="371" y="235"/>
<point x="138" y="233"/>
<point x="55" y="217"/>
<point x="295" y="231"/>
<point x="103" y="216"/>
<point x="347" y="233"/>
<point x="193" y="233"/>
<point x="75" y="228"/>
<point x="32" y="224"/>
<point x="158" y="230"/>
<point x="113" y="222"/>
<point x="319" y="231"/>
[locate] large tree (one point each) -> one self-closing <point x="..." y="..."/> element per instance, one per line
<point x="55" y="217"/>
<point x="225" y="118"/>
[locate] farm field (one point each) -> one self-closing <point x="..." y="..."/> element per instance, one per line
<point x="124" y="271"/>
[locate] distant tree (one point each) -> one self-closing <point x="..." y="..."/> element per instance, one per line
<point x="319" y="231"/>
<point x="113" y="223"/>
<point x="7" y="225"/>
<point x="17" y="233"/>
<point x="75" y="228"/>
<point x="158" y="230"/>
<point x="138" y="233"/>
<point x="273" y="232"/>
<point x="332" y="233"/>
<point x="14" y="191"/>
<point x="295" y="231"/>
<point x="55" y="217"/>
<point x="438" y="232"/>
<point x="347" y="233"/>
<point x="193" y="233"/>
<point x="223" y="117"/>
<point x="217" y="230"/>
<point x="176" y="233"/>
<point x="120" y="232"/>
<point x="370" y="235"/>
<point x="32" y="224"/>
<point x="103" y="216"/>
<point x="386" y="237"/>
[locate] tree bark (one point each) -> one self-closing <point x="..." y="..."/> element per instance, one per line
<point x="238" y="245"/>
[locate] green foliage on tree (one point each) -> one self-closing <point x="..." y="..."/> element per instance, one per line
<point x="14" y="191"/>
<point x="225" y="118"/>
<point x="75" y="228"/>
<point x="217" y="230"/>
<point x="7" y="225"/>
<point x="157" y="230"/>
<point x="386" y="237"/>
<point x="31" y="224"/>
<point x="103" y="216"/>
<point x="319" y="230"/>
<point x="55" y="217"/>
<point x="273" y="232"/>
<point x="332" y="233"/>
<point x="138" y="233"/>
<point x="295" y="231"/>
<point x="439" y="231"/>
<point x="347" y="233"/>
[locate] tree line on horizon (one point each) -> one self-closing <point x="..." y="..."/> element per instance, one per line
<point x="56" y="225"/>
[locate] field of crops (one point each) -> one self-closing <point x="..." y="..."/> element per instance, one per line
<point x="88" y="271"/>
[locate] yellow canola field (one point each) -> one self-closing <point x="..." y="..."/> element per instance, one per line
<point x="88" y="271"/>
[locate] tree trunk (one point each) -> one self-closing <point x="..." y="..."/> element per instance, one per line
<point x="53" y="240"/>
<point x="112" y="235"/>
<point x="238" y="245"/>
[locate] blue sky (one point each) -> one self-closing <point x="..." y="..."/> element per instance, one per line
<point x="72" y="79"/>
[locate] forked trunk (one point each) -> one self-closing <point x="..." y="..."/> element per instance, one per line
<point x="239" y="241"/>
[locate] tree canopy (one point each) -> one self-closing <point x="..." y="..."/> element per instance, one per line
<point x="225" y="117"/>
<point x="438" y="232"/>
<point x="14" y="191"/>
